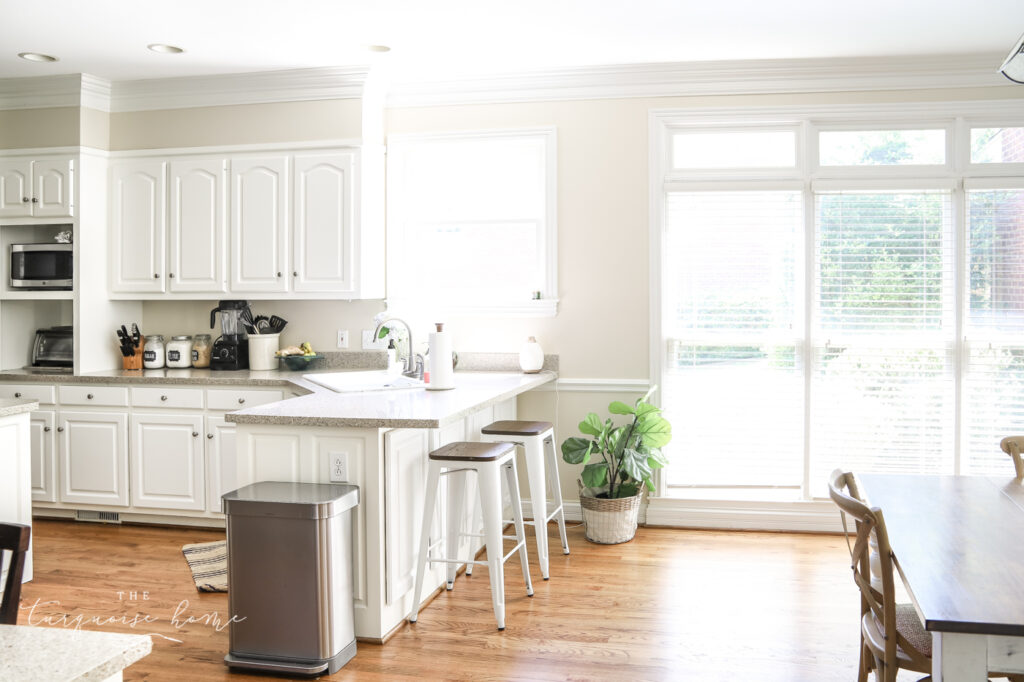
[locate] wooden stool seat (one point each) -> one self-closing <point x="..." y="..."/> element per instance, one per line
<point x="516" y="428"/>
<point x="471" y="452"/>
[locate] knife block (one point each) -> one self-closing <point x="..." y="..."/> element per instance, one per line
<point x="134" y="361"/>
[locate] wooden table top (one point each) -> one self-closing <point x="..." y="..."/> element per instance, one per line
<point x="959" y="545"/>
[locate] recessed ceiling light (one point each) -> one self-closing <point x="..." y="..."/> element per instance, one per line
<point x="378" y="48"/>
<point x="165" y="49"/>
<point x="37" y="57"/>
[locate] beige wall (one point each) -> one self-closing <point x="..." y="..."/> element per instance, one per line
<point x="95" y="128"/>
<point x="28" y="128"/>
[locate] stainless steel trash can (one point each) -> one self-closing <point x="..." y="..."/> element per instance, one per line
<point x="290" y="577"/>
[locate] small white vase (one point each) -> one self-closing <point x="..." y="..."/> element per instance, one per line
<point x="531" y="356"/>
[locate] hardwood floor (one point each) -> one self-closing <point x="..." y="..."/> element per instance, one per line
<point x="670" y="605"/>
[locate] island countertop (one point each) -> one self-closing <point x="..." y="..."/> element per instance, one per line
<point x="38" y="654"/>
<point x="12" y="406"/>
<point x="401" y="408"/>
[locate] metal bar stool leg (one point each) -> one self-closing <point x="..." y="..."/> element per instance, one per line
<point x="474" y="523"/>
<point x="538" y="499"/>
<point x="489" y="482"/>
<point x="512" y="481"/>
<point x="556" y="489"/>
<point x="453" y="533"/>
<point x="429" y="498"/>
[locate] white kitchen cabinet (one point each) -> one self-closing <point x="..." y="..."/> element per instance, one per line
<point x="36" y="187"/>
<point x="197" y="246"/>
<point x="259" y="224"/>
<point x="93" y="457"/>
<point x="405" y="471"/>
<point x="323" y="241"/>
<point x="167" y="461"/>
<point x="138" y="217"/>
<point x="221" y="461"/>
<point x="43" y="448"/>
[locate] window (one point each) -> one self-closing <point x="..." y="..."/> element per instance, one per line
<point x="862" y="308"/>
<point x="474" y="207"/>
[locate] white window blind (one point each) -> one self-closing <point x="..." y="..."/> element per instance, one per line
<point x="732" y="384"/>
<point x="882" y="392"/>
<point x="993" y="328"/>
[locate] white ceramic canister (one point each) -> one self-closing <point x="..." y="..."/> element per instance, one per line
<point x="153" y="352"/>
<point x="262" y="348"/>
<point x="531" y="356"/>
<point x="179" y="352"/>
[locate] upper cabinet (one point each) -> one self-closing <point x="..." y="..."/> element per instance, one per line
<point x="271" y="225"/>
<point x="36" y="187"/>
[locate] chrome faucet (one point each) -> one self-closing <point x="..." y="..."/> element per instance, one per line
<point x="413" y="361"/>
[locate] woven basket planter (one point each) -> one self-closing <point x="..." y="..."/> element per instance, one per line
<point x="609" y="522"/>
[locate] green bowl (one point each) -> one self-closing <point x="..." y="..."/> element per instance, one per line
<point x="298" y="362"/>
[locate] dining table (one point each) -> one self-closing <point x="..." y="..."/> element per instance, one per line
<point x="958" y="544"/>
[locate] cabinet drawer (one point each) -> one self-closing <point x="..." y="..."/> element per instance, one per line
<point x="116" y="396"/>
<point x="167" y="397"/>
<point x="221" y="399"/>
<point x="41" y="392"/>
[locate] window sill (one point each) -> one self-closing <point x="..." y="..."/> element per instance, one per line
<point x="544" y="307"/>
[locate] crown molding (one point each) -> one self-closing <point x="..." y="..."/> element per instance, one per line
<point x="96" y="92"/>
<point x="708" y="78"/>
<point x="291" y="85"/>
<point x="41" y="92"/>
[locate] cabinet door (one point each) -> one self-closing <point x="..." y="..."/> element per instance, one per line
<point x="322" y="225"/>
<point x="221" y="461"/>
<point x="198" y="227"/>
<point x="93" y="457"/>
<point x="167" y="462"/>
<point x="44" y="480"/>
<point x="15" y="188"/>
<point x="138" y="210"/>
<point x="259" y="224"/>
<point x="52" y="187"/>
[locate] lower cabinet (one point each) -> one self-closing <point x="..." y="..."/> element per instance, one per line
<point x="43" y="449"/>
<point x="405" y="475"/>
<point x="93" y="456"/>
<point x="221" y="461"/>
<point x="167" y="461"/>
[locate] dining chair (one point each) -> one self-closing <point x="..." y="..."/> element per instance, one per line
<point x="891" y="635"/>
<point x="14" y="539"/>
<point x="1012" y="445"/>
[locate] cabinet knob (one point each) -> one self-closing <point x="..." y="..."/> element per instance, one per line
<point x="24" y="200"/>
<point x="60" y="428"/>
<point x="18" y="394"/>
<point x="46" y="428"/>
<point x="35" y="201"/>
<point x="295" y="274"/>
<point x="279" y="274"/>
<point x="195" y="433"/>
<point x="209" y="436"/>
<point x="163" y="397"/>
<point x="89" y="396"/>
<point x="241" y="401"/>
<point x="171" y="275"/>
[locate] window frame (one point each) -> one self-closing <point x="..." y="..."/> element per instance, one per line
<point x="547" y="304"/>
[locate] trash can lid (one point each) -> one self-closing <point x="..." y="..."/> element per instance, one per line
<point x="291" y="500"/>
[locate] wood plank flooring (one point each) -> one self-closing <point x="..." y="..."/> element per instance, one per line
<point x="670" y="605"/>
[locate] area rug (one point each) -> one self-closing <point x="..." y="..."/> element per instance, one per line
<point x="209" y="564"/>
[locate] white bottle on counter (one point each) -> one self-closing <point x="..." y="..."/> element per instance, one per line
<point x="442" y="369"/>
<point x="531" y="356"/>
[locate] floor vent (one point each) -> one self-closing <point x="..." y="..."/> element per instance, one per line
<point x="97" y="516"/>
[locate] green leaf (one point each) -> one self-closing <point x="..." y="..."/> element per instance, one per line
<point x="627" y="490"/>
<point x="384" y="331"/>
<point x="650" y="484"/>
<point x="656" y="458"/>
<point x="616" y="439"/>
<point x="619" y="407"/>
<point x="577" y="450"/>
<point x="595" y="475"/>
<point x="644" y="409"/>
<point x="635" y="465"/>
<point x="591" y="425"/>
<point x="655" y="430"/>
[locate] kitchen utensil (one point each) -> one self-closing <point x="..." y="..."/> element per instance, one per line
<point x="262" y="324"/>
<point x="136" y="335"/>
<point x="277" y="324"/>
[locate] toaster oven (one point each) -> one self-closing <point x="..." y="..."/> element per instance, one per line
<point x="54" y="347"/>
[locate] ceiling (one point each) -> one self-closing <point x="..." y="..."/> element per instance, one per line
<point x="441" y="39"/>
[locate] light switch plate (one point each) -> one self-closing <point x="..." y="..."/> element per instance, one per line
<point x="342" y="338"/>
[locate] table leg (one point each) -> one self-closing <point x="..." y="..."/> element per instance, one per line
<point x="959" y="657"/>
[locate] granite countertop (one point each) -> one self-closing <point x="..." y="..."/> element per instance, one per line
<point x="401" y="408"/>
<point x="182" y="377"/>
<point x="11" y="406"/>
<point x="38" y="654"/>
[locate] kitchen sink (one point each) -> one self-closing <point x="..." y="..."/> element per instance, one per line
<point x="355" y="382"/>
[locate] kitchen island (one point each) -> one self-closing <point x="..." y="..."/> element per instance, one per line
<point x="16" y="467"/>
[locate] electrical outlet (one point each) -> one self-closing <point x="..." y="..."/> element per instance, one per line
<point x="342" y="338"/>
<point x="370" y="343"/>
<point x="339" y="467"/>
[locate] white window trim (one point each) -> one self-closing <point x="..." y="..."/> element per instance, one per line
<point x="547" y="305"/>
<point x="959" y="118"/>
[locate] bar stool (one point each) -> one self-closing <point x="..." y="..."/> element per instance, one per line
<point x="488" y="461"/>
<point x="538" y="441"/>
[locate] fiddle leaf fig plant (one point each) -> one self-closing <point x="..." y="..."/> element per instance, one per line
<point x="618" y="459"/>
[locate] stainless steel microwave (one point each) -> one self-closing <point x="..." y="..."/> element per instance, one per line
<point x="41" y="266"/>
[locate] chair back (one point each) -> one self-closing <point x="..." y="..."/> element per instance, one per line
<point x="14" y="538"/>
<point x="1012" y="445"/>
<point x="878" y="595"/>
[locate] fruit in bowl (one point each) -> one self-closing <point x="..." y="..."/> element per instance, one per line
<point x="298" y="357"/>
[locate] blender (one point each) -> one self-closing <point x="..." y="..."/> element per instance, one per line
<point x="231" y="349"/>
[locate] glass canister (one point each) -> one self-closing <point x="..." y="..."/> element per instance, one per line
<point x="179" y="352"/>
<point x="153" y="352"/>
<point x="201" y="349"/>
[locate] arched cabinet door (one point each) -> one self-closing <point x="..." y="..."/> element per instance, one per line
<point x="138" y="202"/>
<point x="259" y="224"/>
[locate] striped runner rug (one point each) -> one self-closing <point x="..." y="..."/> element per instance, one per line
<point x="209" y="564"/>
